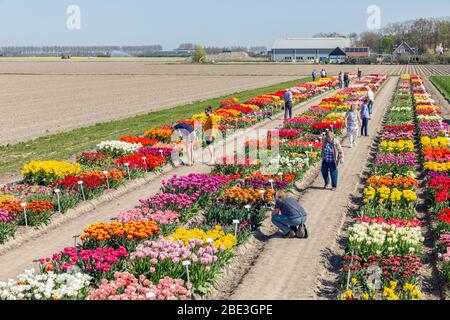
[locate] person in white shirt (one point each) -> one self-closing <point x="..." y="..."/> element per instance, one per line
<point x="353" y="121"/>
<point x="371" y="97"/>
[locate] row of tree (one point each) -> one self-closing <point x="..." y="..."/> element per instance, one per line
<point x="77" y="50"/>
<point x="421" y="34"/>
<point x="217" y="50"/>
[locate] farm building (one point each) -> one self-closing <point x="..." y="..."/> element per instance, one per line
<point x="404" y="50"/>
<point x="306" y="49"/>
<point x="337" y="56"/>
<point x="357" y="52"/>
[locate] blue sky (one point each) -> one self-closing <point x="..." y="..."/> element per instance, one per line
<point x="208" y="22"/>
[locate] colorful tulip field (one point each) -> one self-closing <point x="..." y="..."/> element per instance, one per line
<point x="50" y="187"/>
<point x="435" y="148"/>
<point x="175" y="244"/>
<point x="386" y="244"/>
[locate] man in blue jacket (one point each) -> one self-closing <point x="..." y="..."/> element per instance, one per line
<point x="290" y="217"/>
<point x="288" y="104"/>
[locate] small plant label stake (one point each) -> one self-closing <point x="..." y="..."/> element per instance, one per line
<point x="187" y="263"/>
<point x="350" y="269"/>
<point x="75" y="240"/>
<point x="210" y="241"/>
<point x="271" y="184"/>
<point x="24" y="206"/>
<point x="236" y="224"/>
<point x="374" y="278"/>
<point x="106" y="173"/>
<point x="249" y="215"/>
<point x="150" y="295"/>
<point x="262" y="192"/>
<point x="58" y="192"/>
<point x="145" y="163"/>
<point x="36" y="263"/>
<point x="161" y="153"/>
<point x="127" y="165"/>
<point x="80" y="183"/>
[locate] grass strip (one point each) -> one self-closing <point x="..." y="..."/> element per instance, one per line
<point x="63" y="146"/>
<point x="443" y="85"/>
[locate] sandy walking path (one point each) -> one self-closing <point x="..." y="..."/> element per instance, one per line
<point x="289" y="269"/>
<point x="21" y="258"/>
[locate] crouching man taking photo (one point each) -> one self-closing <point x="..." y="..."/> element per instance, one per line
<point x="289" y="216"/>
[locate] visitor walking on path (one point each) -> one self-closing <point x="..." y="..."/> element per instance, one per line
<point x="365" y="117"/>
<point x="371" y="97"/>
<point x="210" y="129"/>
<point x="187" y="133"/>
<point x="353" y="122"/>
<point x="323" y="73"/>
<point x="289" y="216"/>
<point x="332" y="157"/>
<point x="346" y="80"/>
<point x="288" y="105"/>
<point x="359" y="74"/>
<point x="341" y="79"/>
<point x="314" y="75"/>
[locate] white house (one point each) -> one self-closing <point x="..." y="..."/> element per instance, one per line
<point x="306" y="49"/>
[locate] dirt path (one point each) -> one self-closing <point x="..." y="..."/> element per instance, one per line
<point x="59" y="236"/>
<point x="289" y="269"/>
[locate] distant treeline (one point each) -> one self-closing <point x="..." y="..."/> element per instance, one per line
<point x="257" y="50"/>
<point x="423" y="35"/>
<point x="82" y="51"/>
<point x="183" y="50"/>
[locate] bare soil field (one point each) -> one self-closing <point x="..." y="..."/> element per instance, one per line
<point x="149" y="66"/>
<point x="37" y="105"/>
<point x="45" y="96"/>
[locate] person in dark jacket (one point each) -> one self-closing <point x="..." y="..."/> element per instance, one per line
<point x="289" y="216"/>
<point x="341" y="79"/>
<point x="288" y="104"/>
<point x="346" y="80"/>
<point x="332" y="157"/>
<point x="314" y="75"/>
